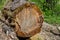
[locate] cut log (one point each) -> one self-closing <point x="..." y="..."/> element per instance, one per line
<point x="27" y="19"/>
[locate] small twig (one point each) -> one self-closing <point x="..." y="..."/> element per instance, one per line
<point x="4" y="22"/>
<point x="54" y="33"/>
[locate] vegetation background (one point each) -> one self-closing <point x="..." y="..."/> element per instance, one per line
<point x="50" y="8"/>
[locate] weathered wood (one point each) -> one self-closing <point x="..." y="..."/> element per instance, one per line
<point x="30" y="21"/>
<point x="27" y="19"/>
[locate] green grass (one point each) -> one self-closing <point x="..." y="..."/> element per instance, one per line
<point x="1" y="7"/>
<point x="55" y="20"/>
<point x="2" y="4"/>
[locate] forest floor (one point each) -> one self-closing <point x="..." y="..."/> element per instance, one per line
<point x="48" y="32"/>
